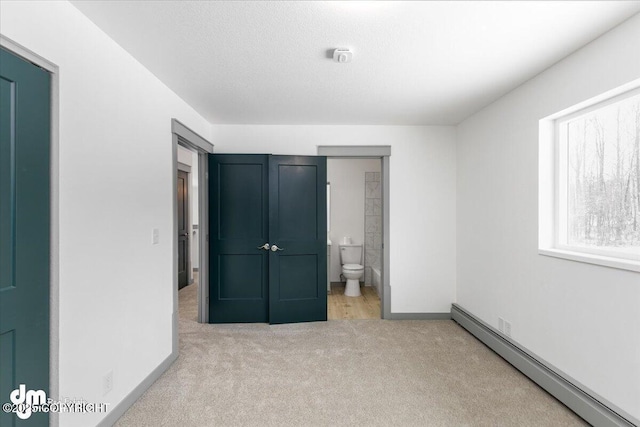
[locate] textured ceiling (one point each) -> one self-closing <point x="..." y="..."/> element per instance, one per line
<point x="413" y="62"/>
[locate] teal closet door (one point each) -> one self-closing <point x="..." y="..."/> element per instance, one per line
<point x="24" y="231"/>
<point x="298" y="228"/>
<point x="238" y="227"/>
<point x="268" y="241"/>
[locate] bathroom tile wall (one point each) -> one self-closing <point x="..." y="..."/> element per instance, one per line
<point x="372" y="224"/>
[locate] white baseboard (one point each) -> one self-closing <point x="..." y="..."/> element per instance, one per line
<point x="119" y="410"/>
<point x="576" y="397"/>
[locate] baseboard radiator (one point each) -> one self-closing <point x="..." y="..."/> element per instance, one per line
<point x="583" y="403"/>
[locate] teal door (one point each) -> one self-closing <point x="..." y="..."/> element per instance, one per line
<point x="298" y="233"/>
<point x="238" y="231"/>
<point x="267" y="238"/>
<point x="24" y="231"/>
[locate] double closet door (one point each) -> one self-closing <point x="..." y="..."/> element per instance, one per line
<point x="268" y="238"/>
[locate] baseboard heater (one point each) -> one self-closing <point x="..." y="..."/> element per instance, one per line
<point x="585" y="404"/>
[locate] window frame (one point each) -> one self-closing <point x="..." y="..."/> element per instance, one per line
<point x="553" y="194"/>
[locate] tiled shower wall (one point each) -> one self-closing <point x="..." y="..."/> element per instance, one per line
<point x="372" y="224"/>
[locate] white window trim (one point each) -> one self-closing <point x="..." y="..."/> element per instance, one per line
<point x="605" y="261"/>
<point x="551" y="193"/>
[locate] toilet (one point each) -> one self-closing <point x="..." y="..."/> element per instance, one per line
<point x="352" y="270"/>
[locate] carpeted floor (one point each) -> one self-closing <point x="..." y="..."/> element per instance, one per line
<point x="339" y="373"/>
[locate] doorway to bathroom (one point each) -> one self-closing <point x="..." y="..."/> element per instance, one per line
<point x="356" y="231"/>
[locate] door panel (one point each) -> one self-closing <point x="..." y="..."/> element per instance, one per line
<point x="238" y="216"/>
<point x="24" y="230"/>
<point x="7" y="182"/>
<point x="183" y="229"/>
<point x="241" y="277"/>
<point x="298" y="225"/>
<point x="297" y="277"/>
<point x="297" y="206"/>
<point x="242" y="217"/>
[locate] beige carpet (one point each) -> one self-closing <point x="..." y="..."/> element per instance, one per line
<point x="340" y="373"/>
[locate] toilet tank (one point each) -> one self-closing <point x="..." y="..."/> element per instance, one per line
<point x="350" y="254"/>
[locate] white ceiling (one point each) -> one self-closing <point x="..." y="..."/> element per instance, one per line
<point x="433" y="62"/>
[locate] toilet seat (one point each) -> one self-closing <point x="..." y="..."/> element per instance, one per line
<point x="352" y="267"/>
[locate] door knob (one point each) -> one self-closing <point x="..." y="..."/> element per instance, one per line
<point x="276" y="248"/>
<point x="265" y="247"/>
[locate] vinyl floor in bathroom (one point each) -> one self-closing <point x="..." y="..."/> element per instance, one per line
<point x="339" y="306"/>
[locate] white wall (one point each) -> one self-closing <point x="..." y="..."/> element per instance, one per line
<point x="583" y="319"/>
<point x="185" y="156"/>
<point x="347" y="204"/>
<point x="423" y="202"/>
<point x="115" y="286"/>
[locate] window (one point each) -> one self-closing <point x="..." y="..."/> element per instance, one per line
<point x="596" y="180"/>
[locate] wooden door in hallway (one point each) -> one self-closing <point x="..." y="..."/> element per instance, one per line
<point x="183" y="229"/>
<point x="25" y="128"/>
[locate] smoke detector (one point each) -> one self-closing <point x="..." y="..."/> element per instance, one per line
<point x="342" y="55"/>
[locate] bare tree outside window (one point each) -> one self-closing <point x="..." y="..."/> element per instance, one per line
<point x="603" y="178"/>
